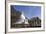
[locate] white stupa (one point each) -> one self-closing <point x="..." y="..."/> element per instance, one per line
<point x="22" y="19"/>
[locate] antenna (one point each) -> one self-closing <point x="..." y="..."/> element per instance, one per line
<point x="22" y="12"/>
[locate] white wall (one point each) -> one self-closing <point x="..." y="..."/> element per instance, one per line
<point x="2" y="17"/>
<point x="2" y="20"/>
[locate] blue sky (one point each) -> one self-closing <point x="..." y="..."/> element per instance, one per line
<point x="29" y="11"/>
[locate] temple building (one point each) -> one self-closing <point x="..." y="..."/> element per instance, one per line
<point x="22" y="20"/>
